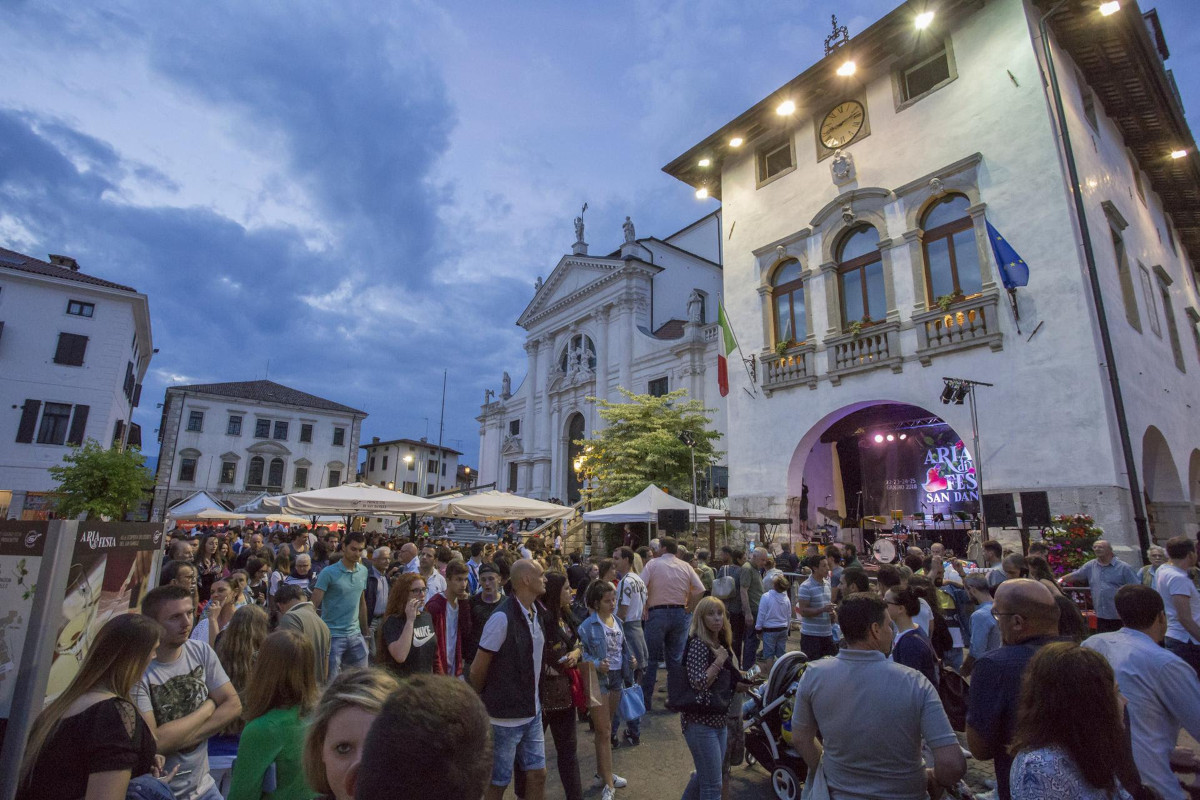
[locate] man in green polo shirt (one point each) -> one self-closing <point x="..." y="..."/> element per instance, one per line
<point x="339" y="596"/>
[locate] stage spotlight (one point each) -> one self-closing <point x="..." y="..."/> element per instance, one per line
<point x="903" y="436"/>
<point x="960" y="394"/>
<point x="891" y="437"/>
<point x="878" y="437"/>
<point x="947" y="393"/>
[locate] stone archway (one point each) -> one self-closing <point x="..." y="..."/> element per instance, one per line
<point x="1168" y="508"/>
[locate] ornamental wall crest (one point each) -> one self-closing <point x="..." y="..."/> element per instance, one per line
<point x="511" y="445"/>
<point x="841" y="167"/>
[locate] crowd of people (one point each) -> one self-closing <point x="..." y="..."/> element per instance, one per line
<point x="298" y="663"/>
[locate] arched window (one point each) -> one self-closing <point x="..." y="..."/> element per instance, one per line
<point x="787" y="297"/>
<point x="579" y="352"/>
<point x="275" y="474"/>
<point x="254" y="477"/>
<point x="951" y="257"/>
<point x="860" y="277"/>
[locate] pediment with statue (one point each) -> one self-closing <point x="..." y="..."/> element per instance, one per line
<point x="574" y="277"/>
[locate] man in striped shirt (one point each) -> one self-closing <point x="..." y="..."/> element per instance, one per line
<point x="814" y="601"/>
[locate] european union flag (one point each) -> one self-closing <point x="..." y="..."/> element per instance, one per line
<point x="1014" y="271"/>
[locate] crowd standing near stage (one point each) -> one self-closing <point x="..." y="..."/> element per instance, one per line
<point x="277" y="663"/>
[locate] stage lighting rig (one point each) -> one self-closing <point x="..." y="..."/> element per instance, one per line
<point x="955" y="390"/>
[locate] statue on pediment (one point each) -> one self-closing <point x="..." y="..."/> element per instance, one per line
<point x="537" y="285"/>
<point x="579" y="230"/>
<point x="628" y="229"/>
<point x="695" y="307"/>
<point x="505" y="387"/>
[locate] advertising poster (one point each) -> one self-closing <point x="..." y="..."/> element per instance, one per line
<point x="113" y="566"/>
<point x="21" y="547"/>
<point x="929" y="471"/>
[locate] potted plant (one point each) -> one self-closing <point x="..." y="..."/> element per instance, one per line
<point x="1070" y="538"/>
<point x="944" y="302"/>
<point x="784" y="346"/>
<point x="855" y="328"/>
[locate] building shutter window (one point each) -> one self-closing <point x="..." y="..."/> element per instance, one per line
<point x="71" y="349"/>
<point x="78" y="425"/>
<point x="29" y="415"/>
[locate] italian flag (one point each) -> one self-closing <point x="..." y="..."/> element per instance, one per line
<point x="727" y="346"/>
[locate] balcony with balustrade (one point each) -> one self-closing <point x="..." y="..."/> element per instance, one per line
<point x="794" y="367"/>
<point x="970" y="322"/>
<point x="873" y="347"/>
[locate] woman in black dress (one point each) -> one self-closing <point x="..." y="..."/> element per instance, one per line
<point x="407" y="644"/>
<point x="90" y="742"/>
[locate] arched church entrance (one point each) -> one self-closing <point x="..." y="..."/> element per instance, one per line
<point x="885" y="471"/>
<point x="575" y="433"/>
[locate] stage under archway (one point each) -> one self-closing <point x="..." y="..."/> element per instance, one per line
<point x="872" y="466"/>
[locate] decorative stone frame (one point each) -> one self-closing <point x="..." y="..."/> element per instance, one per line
<point x="767" y="260"/>
<point x="851" y="210"/>
<point x="915" y="197"/>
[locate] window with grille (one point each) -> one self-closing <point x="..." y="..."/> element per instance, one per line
<point x="187" y="469"/>
<point x="281" y="430"/>
<point x="339" y="439"/>
<point x="925" y="76"/>
<point x="306" y="431"/>
<point x="234" y="426"/>
<point x="195" y="421"/>
<point x="262" y="429"/>
<point x="228" y="471"/>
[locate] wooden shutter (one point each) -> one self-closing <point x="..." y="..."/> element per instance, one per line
<point x="77" y="353"/>
<point x="78" y="425"/>
<point x="29" y="416"/>
<point x="71" y="349"/>
<point x="120" y="429"/>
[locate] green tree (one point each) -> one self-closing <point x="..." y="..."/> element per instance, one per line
<point x="641" y="444"/>
<point x="100" y="482"/>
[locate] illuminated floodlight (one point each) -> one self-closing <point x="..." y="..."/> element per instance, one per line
<point x="1178" y="153"/>
<point x="891" y="437"/>
<point x="878" y="437"/>
<point x="736" y="141"/>
<point x="924" y="20"/>
<point x="702" y="193"/>
<point x="704" y="162"/>
<point x="1107" y="9"/>
<point x="847" y="69"/>
<point x="785" y="108"/>
<point x="903" y="436"/>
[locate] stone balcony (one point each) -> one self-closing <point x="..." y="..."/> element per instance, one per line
<point x="871" y="348"/>
<point x="968" y="323"/>
<point x="795" y="367"/>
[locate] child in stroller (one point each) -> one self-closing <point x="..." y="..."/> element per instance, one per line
<point x="767" y="720"/>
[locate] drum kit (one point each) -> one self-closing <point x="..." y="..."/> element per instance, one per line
<point x="889" y="547"/>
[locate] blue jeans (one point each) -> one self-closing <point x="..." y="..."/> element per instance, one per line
<point x="526" y="744"/>
<point x="774" y="643"/>
<point x="346" y="651"/>
<point x="637" y="640"/>
<point x="666" y="631"/>
<point x="148" y="787"/>
<point x="749" y="653"/>
<point x="1186" y="650"/>
<point x="708" y="753"/>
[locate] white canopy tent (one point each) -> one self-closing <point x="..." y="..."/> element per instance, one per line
<point x="493" y="505"/>
<point x="189" y="507"/>
<point x="644" y="507"/>
<point x="207" y="514"/>
<point x="359" y="499"/>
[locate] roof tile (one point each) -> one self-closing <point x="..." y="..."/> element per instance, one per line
<point x="268" y="392"/>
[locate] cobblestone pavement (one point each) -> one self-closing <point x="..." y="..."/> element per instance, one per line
<point x="659" y="768"/>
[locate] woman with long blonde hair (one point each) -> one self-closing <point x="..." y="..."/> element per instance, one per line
<point x="713" y="677"/>
<point x="90" y="741"/>
<point x="339" y="726"/>
<point x="237" y="649"/>
<point x="281" y="691"/>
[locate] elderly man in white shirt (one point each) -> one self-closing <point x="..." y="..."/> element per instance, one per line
<point x="1161" y="688"/>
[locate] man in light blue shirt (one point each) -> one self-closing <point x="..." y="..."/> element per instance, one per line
<point x="1161" y="688"/>
<point x="985" y="633"/>
<point x="1104" y="574"/>
<point x="340" y="597"/>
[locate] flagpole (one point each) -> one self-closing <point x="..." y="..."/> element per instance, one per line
<point x="736" y="343"/>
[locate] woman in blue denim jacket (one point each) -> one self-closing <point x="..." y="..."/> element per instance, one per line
<point x="610" y="654"/>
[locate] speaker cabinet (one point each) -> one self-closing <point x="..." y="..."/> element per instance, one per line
<point x="1035" y="509"/>
<point x="1000" y="510"/>
<point x="673" y="520"/>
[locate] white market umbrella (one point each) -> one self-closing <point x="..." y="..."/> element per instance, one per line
<point x="501" y="505"/>
<point x="286" y="519"/>
<point x="644" y="507"/>
<point x="360" y="499"/>
<point x="207" y="513"/>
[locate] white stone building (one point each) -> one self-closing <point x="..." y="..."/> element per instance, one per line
<point x="73" y="351"/>
<point x="414" y="466"/>
<point x="238" y="440"/>
<point x="642" y="317"/>
<point x="856" y="198"/>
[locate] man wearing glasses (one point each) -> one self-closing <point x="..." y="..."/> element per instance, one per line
<point x="1027" y="616"/>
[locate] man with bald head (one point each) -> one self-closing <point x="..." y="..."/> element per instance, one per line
<point x="1105" y="574"/>
<point x="1027" y="616"/>
<point x="506" y="672"/>
<point x="408" y="557"/>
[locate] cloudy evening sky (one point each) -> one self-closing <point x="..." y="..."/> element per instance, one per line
<point x="362" y="193"/>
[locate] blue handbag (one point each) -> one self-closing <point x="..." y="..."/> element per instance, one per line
<point x="633" y="702"/>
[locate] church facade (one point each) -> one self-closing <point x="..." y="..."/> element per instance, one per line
<point x="642" y="318"/>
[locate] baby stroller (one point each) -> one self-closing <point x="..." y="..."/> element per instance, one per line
<point x="766" y="720"/>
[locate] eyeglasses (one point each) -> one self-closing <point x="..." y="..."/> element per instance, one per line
<point x="417" y="590"/>
<point x="998" y="614"/>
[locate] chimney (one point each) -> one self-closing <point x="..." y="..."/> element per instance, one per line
<point x="374" y="440"/>
<point x="64" y="261"/>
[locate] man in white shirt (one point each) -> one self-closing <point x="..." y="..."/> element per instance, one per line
<point x="1181" y="601"/>
<point x="1162" y="691"/>
<point x="435" y="582"/>
<point x="631" y="604"/>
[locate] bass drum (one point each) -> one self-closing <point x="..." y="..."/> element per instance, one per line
<point x="885" y="551"/>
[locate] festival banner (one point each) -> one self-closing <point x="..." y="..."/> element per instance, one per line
<point x="113" y="566"/>
<point x="930" y="471"/>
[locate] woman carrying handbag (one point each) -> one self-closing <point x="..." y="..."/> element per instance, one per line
<point x="712" y="677"/>
<point x="560" y="657"/>
<point x="611" y="661"/>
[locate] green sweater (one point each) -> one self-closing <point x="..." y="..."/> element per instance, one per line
<point x="276" y="737"/>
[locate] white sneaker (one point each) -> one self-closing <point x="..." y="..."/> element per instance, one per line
<point x="608" y="794"/>
<point x="618" y="782"/>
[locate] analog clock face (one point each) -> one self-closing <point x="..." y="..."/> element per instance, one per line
<point x="842" y="124"/>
